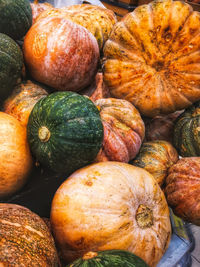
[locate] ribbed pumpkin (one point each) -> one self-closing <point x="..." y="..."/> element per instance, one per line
<point x="156" y="157"/>
<point x="23" y="99"/>
<point x="109" y="258"/>
<point x="15" y="18"/>
<point x="123" y="130"/>
<point x="11" y="62"/>
<point x="65" y="131"/>
<point x="111" y="205"/>
<point x="152" y="57"/>
<point x="38" y="8"/>
<point x="25" y="239"/>
<point x="61" y="54"/>
<point x="183" y="189"/>
<point x="186" y="136"/>
<point x="98" y="20"/>
<point x="15" y="157"/>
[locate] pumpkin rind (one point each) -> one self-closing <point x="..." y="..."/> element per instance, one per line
<point x="152" y="57"/>
<point x="25" y="239"/>
<point x="38" y="8"/>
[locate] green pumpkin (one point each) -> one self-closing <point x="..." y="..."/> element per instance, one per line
<point x="11" y="62"/>
<point x="65" y="131"/>
<point x="15" y="17"/>
<point x="186" y="135"/>
<point x="109" y="258"/>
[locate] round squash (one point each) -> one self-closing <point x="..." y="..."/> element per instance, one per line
<point x="25" y="240"/>
<point x="15" y="157"/>
<point x="123" y="130"/>
<point x="186" y="135"/>
<point x="156" y="157"/>
<point x="11" y="62"/>
<point x="183" y="189"/>
<point x="38" y="8"/>
<point x="111" y="205"/>
<point x="152" y="57"/>
<point x="65" y="131"/>
<point x="23" y="99"/>
<point x="15" y="18"/>
<point x="109" y="258"/>
<point x="61" y="54"/>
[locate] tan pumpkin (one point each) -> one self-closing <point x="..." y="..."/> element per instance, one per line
<point x="61" y="54"/>
<point x="15" y="157"/>
<point x="152" y="57"/>
<point x="183" y="189"/>
<point x="111" y="205"/>
<point x="38" y="8"/>
<point x="25" y="240"/>
<point x="23" y="99"/>
<point x="123" y="130"/>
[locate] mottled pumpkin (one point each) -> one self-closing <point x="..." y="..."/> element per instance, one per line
<point x="123" y="130"/>
<point x="183" y="189"/>
<point x="25" y="240"/>
<point x="111" y="205"/>
<point x="38" y="8"/>
<point x="152" y="57"/>
<point x="156" y="157"/>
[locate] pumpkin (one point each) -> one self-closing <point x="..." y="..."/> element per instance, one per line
<point x="65" y="131"/>
<point x="111" y="205"/>
<point x="156" y="157"/>
<point x="183" y="189"/>
<point x="61" y="54"/>
<point x="15" y="17"/>
<point x="11" y="62"/>
<point x="186" y="135"/>
<point x="38" y="8"/>
<point x="123" y="130"/>
<point x="15" y="157"/>
<point x="109" y="258"/>
<point x="152" y="57"/>
<point x="24" y="97"/>
<point x="25" y="240"/>
<point x="98" y="20"/>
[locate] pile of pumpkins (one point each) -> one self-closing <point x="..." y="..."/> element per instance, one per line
<point x="114" y="107"/>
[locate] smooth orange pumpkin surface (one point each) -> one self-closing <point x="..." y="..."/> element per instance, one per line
<point x="111" y="205"/>
<point x="38" y="8"/>
<point x="152" y="57"/>
<point x="61" y="54"/>
<point x="15" y="157"/>
<point x="123" y="130"/>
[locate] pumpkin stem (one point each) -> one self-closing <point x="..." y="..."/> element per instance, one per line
<point x="144" y="216"/>
<point x="89" y="255"/>
<point x="44" y="134"/>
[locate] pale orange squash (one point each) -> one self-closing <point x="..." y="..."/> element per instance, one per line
<point x="38" y="8"/>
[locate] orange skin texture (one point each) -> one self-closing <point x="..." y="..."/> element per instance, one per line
<point x="38" y="8"/>
<point x="61" y="54"/>
<point x="15" y="157"/>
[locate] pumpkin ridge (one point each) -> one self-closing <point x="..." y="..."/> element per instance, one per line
<point x="27" y="18"/>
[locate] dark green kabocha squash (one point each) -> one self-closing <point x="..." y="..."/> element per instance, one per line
<point x="11" y="62"/>
<point x="186" y="136"/>
<point x="15" y="18"/>
<point x="109" y="258"/>
<point x="65" y="131"/>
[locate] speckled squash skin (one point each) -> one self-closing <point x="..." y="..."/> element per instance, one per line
<point x="111" y="205"/>
<point x="152" y="57"/>
<point x="183" y="189"/>
<point x="25" y="239"/>
<point x="61" y="54"/>
<point x="186" y="135"/>
<point x="38" y="8"/>
<point x="123" y="130"/>
<point x="156" y="157"/>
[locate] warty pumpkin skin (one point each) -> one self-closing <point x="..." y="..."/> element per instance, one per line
<point x="61" y="54"/>
<point x="152" y="57"/>
<point x="156" y="157"/>
<point x="183" y="189"/>
<point x="111" y="205"/>
<point x="123" y="130"/>
<point x="25" y="240"/>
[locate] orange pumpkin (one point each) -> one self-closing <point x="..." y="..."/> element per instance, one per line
<point x="15" y="157"/>
<point x="111" y="205"/>
<point x="38" y="8"/>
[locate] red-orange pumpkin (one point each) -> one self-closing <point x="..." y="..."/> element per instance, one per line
<point x="38" y="8"/>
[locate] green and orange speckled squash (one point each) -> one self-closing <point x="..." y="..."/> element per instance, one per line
<point x="156" y="157"/>
<point x="25" y="240"/>
<point x="152" y="57"/>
